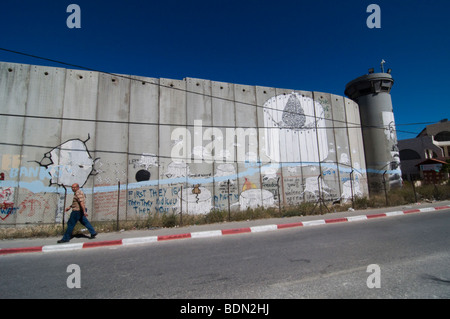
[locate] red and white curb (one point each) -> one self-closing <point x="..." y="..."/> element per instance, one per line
<point x="208" y="234"/>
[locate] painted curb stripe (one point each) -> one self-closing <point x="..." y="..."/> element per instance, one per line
<point x="314" y="222"/>
<point x="206" y="234"/>
<point x="282" y="226"/>
<point x="428" y="209"/>
<point x="176" y="236"/>
<point x="335" y="220"/>
<point x="6" y="251"/>
<point x="139" y="240"/>
<point x="376" y="215"/>
<point x="236" y="231"/>
<point x="411" y="211"/>
<point x="394" y="213"/>
<point x="356" y="218"/>
<point x="50" y="248"/>
<point x="103" y="243"/>
<point x="259" y="229"/>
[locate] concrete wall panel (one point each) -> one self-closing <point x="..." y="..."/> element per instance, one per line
<point x="356" y="147"/>
<point x="270" y="171"/>
<point x="248" y="168"/>
<point x="14" y="80"/>
<point x="80" y="107"/>
<point x="285" y="112"/>
<point x="143" y="148"/>
<point x="13" y="98"/>
<point x="197" y="196"/>
<point x="174" y="146"/>
<point x="330" y="187"/>
<point x="41" y="133"/>
<point x="226" y="192"/>
<point x="111" y="141"/>
<point x="78" y="135"/>
<point x="343" y="163"/>
<point x="172" y="96"/>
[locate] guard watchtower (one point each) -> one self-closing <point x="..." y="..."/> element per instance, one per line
<point x="372" y="93"/>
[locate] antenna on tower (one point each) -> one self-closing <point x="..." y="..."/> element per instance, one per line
<point x="382" y="65"/>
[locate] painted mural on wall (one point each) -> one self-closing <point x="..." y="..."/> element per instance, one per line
<point x="287" y="155"/>
<point x="293" y="140"/>
<point x="6" y="199"/>
<point x="395" y="179"/>
<point x="295" y="129"/>
<point x="69" y="163"/>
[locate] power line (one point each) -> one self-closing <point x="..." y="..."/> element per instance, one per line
<point x="421" y="123"/>
<point x="188" y="125"/>
<point x="191" y="157"/>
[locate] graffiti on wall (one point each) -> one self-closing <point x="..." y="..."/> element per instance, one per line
<point x="395" y="179"/>
<point x="295" y="141"/>
<point x="69" y="163"/>
<point x="146" y="162"/>
<point x="64" y="165"/>
<point x="6" y="200"/>
<point x="294" y="136"/>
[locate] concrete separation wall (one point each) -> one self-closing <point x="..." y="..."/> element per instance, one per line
<point x="140" y="146"/>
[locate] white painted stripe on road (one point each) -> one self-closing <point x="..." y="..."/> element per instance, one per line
<point x="205" y="234"/>
<point x="395" y="213"/>
<point x="258" y="229"/>
<point x="314" y="222"/>
<point x="356" y="218"/>
<point x="61" y="247"/>
<point x="139" y="240"/>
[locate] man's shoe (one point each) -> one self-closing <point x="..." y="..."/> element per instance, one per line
<point x="93" y="235"/>
<point x="62" y="241"/>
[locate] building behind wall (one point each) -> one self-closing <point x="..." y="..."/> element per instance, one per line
<point x="141" y="146"/>
<point x="432" y="143"/>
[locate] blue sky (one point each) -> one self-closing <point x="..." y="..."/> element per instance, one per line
<point x="305" y="45"/>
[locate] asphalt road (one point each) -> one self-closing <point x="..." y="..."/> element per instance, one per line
<point x="326" y="261"/>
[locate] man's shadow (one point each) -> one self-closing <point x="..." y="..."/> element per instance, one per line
<point x="79" y="235"/>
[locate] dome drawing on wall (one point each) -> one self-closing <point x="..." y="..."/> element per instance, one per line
<point x="294" y="129"/>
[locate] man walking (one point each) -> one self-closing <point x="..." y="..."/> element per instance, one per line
<point x="78" y="214"/>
